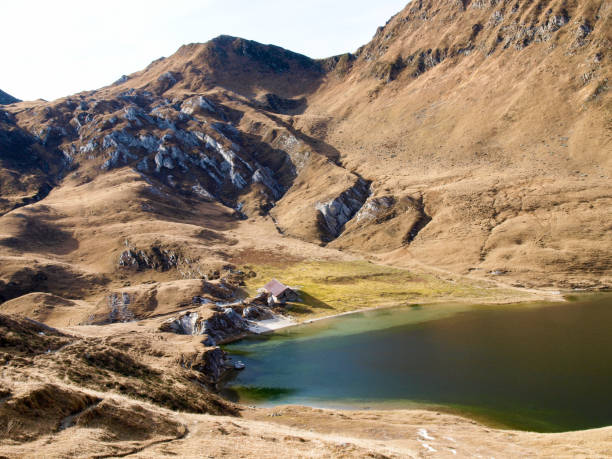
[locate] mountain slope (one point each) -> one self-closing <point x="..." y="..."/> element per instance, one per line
<point x="7" y="98"/>
<point x="495" y="132"/>
<point x="27" y="168"/>
<point x="483" y="150"/>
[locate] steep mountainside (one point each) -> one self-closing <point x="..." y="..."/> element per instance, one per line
<point x="485" y="130"/>
<point x="7" y="98"/>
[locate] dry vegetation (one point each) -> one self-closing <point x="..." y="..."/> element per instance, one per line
<point x="471" y="164"/>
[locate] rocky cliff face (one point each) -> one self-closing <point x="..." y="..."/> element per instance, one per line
<point x="406" y="48"/>
<point x="334" y="214"/>
<point x="187" y="144"/>
<point x="217" y="326"/>
<point x="211" y="364"/>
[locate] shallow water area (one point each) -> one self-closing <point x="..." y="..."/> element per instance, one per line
<point x="540" y="366"/>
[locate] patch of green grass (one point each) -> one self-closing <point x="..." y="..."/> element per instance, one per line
<point x="260" y="394"/>
<point x="328" y="288"/>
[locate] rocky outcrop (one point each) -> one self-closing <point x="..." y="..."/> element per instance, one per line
<point x="212" y="364"/>
<point x="491" y="26"/>
<point x="119" y="306"/>
<point x="256" y="312"/>
<point x="384" y="208"/>
<point x="334" y="214"/>
<point x="375" y="209"/>
<point x="224" y="325"/>
<point x="190" y="323"/>
<point x="155" y="258"/>
<point x="161" y="259"/>
<point x="189" y="144"/>
<point x="198" y="104"/>
<point x="386" y="223"/>
<point x="218" y="326"/>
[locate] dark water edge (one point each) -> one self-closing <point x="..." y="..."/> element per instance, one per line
<point x="544" y="367"/>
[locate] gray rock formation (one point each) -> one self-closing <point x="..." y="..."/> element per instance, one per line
<point x="254" y="312"/>
<point x="334" y="214"/>
<point x="118" y="303"/>
<point x="198" y="104"/>
<point x="374" y="208"/>
<point x="218" y="327"/>
<point x="188" y="324"/>
<point x="171" y="142"/>
<point x="212" y="364"/>
<point x="224" y="325"/>
<point x="155" y="258"/>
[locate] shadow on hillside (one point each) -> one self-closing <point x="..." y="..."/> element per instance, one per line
<point x="56" y="279"/>
<point x="166" y="204"/>
<point x="311" y="301"/>
<point x="34" y="230"/>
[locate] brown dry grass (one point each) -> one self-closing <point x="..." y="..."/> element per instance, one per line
<point x="106" y="425"/>
<point x="506" y="148"/>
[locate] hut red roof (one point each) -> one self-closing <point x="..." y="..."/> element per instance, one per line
<point x="275" y="287"/>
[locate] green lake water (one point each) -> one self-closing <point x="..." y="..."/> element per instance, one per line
<point x="542" y="367"/>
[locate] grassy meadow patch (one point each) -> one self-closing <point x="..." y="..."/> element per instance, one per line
<point x="328" y="288"/>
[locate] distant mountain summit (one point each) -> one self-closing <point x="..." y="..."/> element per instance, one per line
<point x="242" y="66"/>
<point x="7" y="98"/>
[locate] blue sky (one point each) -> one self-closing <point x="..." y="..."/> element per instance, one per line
<point x="55" y="48"/>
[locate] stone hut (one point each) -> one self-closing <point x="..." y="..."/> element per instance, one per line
<point x="279" y="292"/>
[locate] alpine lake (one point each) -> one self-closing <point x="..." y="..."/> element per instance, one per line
<point x="544" y="367"/>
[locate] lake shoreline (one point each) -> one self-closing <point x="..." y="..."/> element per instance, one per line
<point x="495" y="333"/>
<point x="283" y="322"/>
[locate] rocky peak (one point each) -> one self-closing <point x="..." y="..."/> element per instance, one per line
<point x="242" y="66"/>
<point x="267" y="57"/>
